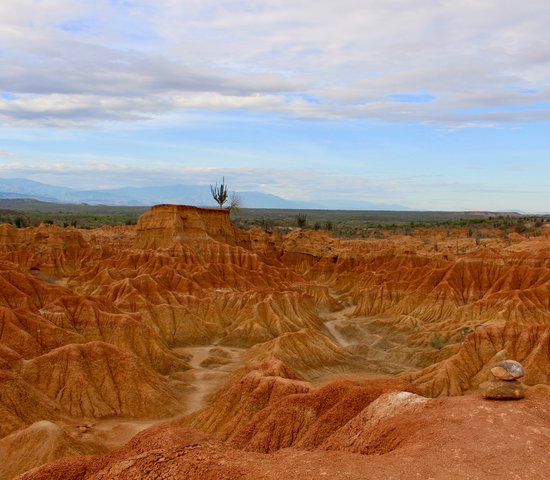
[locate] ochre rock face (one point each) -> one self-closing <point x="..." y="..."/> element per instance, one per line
<point x="164" y="225"/>
<point x="245" y="335"/>
<point x="47" y="249"/>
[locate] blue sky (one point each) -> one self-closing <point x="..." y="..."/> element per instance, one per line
<point x="430" y="104"/>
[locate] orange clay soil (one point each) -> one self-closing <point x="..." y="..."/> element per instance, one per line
<point x="397" y="436"/>
<point x="318" y="350"/>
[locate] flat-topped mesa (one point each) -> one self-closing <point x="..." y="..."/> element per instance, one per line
<point x="164" y="225"/>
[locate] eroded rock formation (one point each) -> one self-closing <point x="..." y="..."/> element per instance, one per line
<point x="122" y="324"/>
<point x="471" y="364"/>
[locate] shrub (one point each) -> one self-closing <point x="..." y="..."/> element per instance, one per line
<point x="437" y="341"/>
<point x="301" y="220"/>
<point x="219" y="193"/>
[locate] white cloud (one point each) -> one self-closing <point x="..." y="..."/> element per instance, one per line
<point x="79" y="63"/>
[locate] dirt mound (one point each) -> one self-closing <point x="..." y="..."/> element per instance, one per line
<point x="250" y="390"/>
<point x="47" y="442"/>
<point x="431" y="441"/>
<point x="97" y="380"/>
<point x="470" y="365"/>
<point x="265" y="407"/>
<point x="306" y="420"/>
<point x="94" y="320"/>
<point x="22" y="404"/>
<point x="308" y="351"/>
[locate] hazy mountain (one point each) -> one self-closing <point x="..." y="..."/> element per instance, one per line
<point x="182" y="194"/>
<point x="23" y="188"/>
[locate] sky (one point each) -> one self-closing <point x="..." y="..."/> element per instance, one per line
<point x="429" y="104"/>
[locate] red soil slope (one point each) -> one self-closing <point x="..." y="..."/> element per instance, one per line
<point x="432" y="440"/>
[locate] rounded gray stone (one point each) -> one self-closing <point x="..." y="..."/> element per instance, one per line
<point x="508" y="370"/>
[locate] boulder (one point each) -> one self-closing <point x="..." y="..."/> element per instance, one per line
<point x="502" y="390"/>
<point x="508" y="370"/>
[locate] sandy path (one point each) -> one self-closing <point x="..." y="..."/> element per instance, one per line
<point x="333" y="320"/>
<point x="384" y="351"/>
<point x="205" y="380"/>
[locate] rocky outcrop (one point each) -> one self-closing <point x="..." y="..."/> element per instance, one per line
<point x="164" y="225"/>
<point x="471" y="364"/>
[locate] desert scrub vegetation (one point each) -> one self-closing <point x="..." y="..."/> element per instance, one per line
<point x="31" y="213"/>
<point x="67" y="220"/>
<point x="350" y="224"/>
<point x="437" y="341"/>
<point x="379" y="224"/>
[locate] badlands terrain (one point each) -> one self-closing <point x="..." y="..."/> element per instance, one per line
<point x="184" y="347"/>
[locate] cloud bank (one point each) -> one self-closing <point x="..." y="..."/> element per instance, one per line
<point x="455" y="63"/>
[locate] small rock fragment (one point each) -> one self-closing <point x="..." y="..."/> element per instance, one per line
<point x="499" y="390"/>
<point x="508" y="370"/>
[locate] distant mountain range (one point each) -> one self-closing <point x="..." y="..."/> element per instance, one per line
<point x="11" y="188"/>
